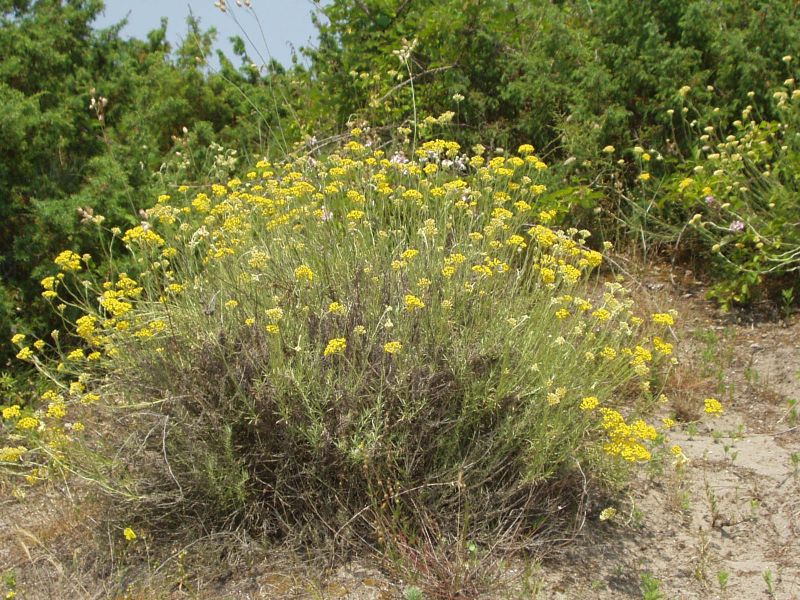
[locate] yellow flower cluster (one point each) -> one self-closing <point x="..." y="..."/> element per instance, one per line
<point x="626" y="440"/>
<point x="335" y="346"/>
<point x="274" y="314"/>
<point x="144" y="236"/>
<point x="663" y="319"/>
<point x="25" y="353"/>
<point x="392" y="347"/>
<point x="11" y="412"/>
<point x="11" y="454"/>
<point x="304" y="272"/>
<point x="68" y="261"/>
<point x="713" y="406"/>
<point x="336" y="308"/>
<point x="28" y="423"/>
<point x="413" y="303"/>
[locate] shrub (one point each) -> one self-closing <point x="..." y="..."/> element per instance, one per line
<point x="351" y="346"/>
<point x="571" y="75"/>
<point x="738" y="194"/>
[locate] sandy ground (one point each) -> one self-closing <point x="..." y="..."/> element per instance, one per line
<point x="726" y="525"/>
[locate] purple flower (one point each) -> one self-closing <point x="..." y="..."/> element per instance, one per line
<point x="736" y="226"/>
<point x="710" y="199"/>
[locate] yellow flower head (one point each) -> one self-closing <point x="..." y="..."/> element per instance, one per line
<point x="76" y="355"/>
<point x="608" y="513"/>
<point x="28" y="423"/>
<point x="68" y="261"/>
<point x="413" y="303"/>
<point x="608" y="353"/>
<point x="336" y="308"/>
<point x="335" y="346"/>
<point x="25" y="353"/>
<point x="275" y="314"/>
<point x="11" y="411"/>
<point x="713" y="406"/>
<point x="662" y="347"/>
<point x="663" y="319"/>
<point x="601" y="314"/>
<point x="392" y="347"/>
<point x="11" y="454"/>
<point x="304" y="272"/>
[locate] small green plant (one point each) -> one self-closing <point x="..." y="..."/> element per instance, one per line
<point x="637" y="517"/>
<point x="791" y="415"/>
<point x="752" y="376"/>
<point x="10" y="582"/>
<point x="755" y="507"/>
<point x="472" y="549"/>
<point x="713" y="504"/>
<point x="683" y="501"/>
<point x="412" y="592"/>
<point x="531" y="582"/>
<point x="767" y="575"/>
<point x="701" y="563"/>
<point x="787" y="302"/>
<point x="722" y="579"/>
<point x="650" y="587"/>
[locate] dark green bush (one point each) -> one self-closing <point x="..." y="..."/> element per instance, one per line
<point x="575" y="74"/>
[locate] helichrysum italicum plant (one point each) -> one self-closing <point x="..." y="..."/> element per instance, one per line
<point x="736" y="200"/>
<point x="350" y="343"/>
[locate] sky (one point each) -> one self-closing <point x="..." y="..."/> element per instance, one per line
<point x="285" y="23"/>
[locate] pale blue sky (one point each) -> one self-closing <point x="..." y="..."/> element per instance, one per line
<point x="284" y="22"/>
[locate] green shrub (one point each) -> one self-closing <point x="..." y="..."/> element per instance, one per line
<point x="572" y="75"/>
<point x="351" y="346"/>
<point x="89" y="117"/>
<point x="739" y="195"/>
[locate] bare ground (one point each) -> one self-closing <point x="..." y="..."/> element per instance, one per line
<point x="726" y="525"/>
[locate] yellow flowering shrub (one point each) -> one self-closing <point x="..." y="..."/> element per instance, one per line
<point x="333" y="326"/>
